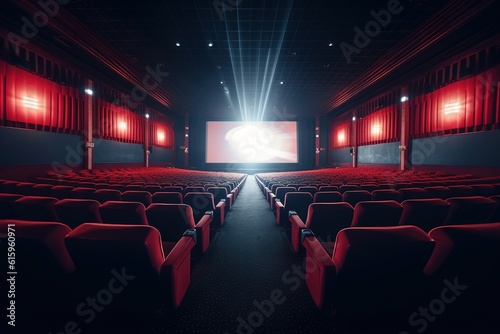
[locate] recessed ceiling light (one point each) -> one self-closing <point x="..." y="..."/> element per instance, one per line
<point x="281" y="82"/>
<point x="222" y="82"/>
<point x="210" y="44"/>
<point x="330" y="45"/>
<point x="177" y="44"/>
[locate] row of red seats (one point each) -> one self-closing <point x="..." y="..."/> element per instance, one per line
<point x="404" y="269"/>
<point x="63" y="266"/>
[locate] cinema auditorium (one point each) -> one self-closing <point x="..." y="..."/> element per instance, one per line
<point x="250" y="166"/>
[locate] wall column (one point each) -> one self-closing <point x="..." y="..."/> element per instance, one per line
<point x="186" y="141"/>
<point x="405" y="130"/>
<point x="88" y="124"/>
<point x="147" y="148"/>
<point x="354" y="140"/>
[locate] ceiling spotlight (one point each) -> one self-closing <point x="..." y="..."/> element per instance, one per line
<point x="222" y="82"/>
<point x="354" y="118"/>
<point x="281" y="82"/>
<point x="210" y="44"/>
<point x="147" y="115"/>
<point x="404" y="98"/>
<point x="330" y="45"/>
<point x="177" y="44"/>
<point x="89" y="91"/>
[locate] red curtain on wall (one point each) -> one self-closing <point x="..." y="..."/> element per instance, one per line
<point x="161" y="132"/>
<point x="117" y="123"/>
<point x="340" y="132"/>
<point x="381" y="126"/>
<point x="468" y="105"/>
<point x="33" y="101"/>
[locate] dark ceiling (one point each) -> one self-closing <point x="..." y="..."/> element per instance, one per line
<point x="268" y="59"/>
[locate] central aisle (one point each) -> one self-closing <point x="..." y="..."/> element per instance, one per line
<point x="249" y="264"/>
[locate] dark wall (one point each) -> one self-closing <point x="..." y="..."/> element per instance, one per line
<point x="340" y="156"/>
<point x="161" y="157"/>
<point x="108" y="151"/>
<point x="479" y="149"/>
<point x="385" y="154"/>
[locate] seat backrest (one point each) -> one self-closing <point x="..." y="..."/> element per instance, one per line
<point x="385" y="195"/>
<point x="74" y="212"/>
<point x="298" y="202"/>
<point x="308" y="189"/>
<point x="485" y="190"/>
<point x="378" y="259"/>
<point x="461" y="191"/>
<point x="327" y="219"/>
<point x="353" y="197"/>
<point x="172" y="220"/>
<point x="441" y="192"/>
<point x="470" y="252"/>
<point x="122" y="212"/>
<point x="368" y="187"/>
<point x="37" y="208"/>
<point x="200" y="202"/>
<point x="219" y="193"/>
<point x="104" y="195"/>
<point x="134" y="253"/>
<point x="346" y="187"/>
<point x="411" y="193"/>
<point x="141" y="196"/>
<point x="167" y="197"/>
<point x="376" y="214"/>
<point x="282" y="191"/>
<point x="25" y="188"/>
<point x="153" y="189"/>
<point x="276" y="185"/>
<point x="132" y="187"/>
<point x="425" y="213"/>
<point x="329" y="188"/>
<point x="43" y="262"/>
<point x="61" y="192"/>
<point x="83" y="193"/>
<point x="469" y="210"/>
<point x="7" y="210"/>
<point x="192" y="189"/>
<point x="42" y="189"/>
<point x="327" y="197"/>
<point x="495" y="215"/>
<point x="174" y="189"/>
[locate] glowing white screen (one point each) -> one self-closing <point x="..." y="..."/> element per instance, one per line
<point x="251" y="142"/>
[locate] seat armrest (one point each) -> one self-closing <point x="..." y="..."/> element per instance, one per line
<point x="181" y="248"/>
<point x="205" y="220"/>
<point x="296" y="225"/>
<point x="315" y="250"/>
<point x="279" y="211"/>
<point x="190" y="233"/>
<point x="306" y="233"/>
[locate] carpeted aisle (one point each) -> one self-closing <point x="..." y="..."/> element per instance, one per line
<point x="249" y="281"/>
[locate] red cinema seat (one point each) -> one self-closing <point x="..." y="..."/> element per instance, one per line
<point x="221" y="194"/>
<point x="167" y="197"/>
<point x="279" y="195"/>
<point x="441" y="192"/>
<point x="376" y="213"/>
<point x="327" y="197"/>
<point x="353" y="197"/>
<point x="74" y="211"/>
<point x="194" y="189"/>
<point x="104" y="195"/>
<point x="495" y="215"/>
<point x="83" y="193"/>
<point x="308" y="189"/>
<point x="328" y="188"/>
<point x="7" y="210"/>
<point x="143" y="197"/>
<point x="9" y="187"/>
<point x="324" y="219"/>
<point x="461" y="191"/>
<point x="385" y="195"/>
<point x="346" y="187"/>
<point x="411" y="193"/>
<point x="370" y="268"/>
<point x="172" y="220"/>
<point x="485" y="190"/>
<point x="121" y="212"/>
<point x="294" y="201"/>
<point x="174" y="189"/>
<point x="134" y="258"/>
<point x="153" y="189"/>
<point x="202" y="202"/>
<point x="468" y="256"/>
<point x="425" y="213"/>
<point x="134" y="187"/>
<point x="25" y="188"/>
<point x="41" y="189"/>
<point x="36" y="208"/>
<point x="43" y="264"/>
<point x="61" y="192"/>
<point x="469" y="210"/>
